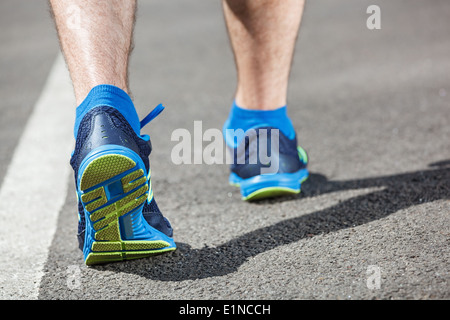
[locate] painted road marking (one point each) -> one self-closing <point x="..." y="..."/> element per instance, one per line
<point x="35" y="186"/>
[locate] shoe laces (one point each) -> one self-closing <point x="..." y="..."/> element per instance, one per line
<point x="152" y="115"/>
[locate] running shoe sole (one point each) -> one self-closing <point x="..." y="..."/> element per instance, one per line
<point x="113" y="188"/>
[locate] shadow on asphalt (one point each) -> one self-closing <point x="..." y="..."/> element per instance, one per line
<point x="397" y="192"/>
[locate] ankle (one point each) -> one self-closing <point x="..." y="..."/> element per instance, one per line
<point x="111" y="96"/>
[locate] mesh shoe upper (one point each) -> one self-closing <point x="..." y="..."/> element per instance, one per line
<point x="265" y="150"/>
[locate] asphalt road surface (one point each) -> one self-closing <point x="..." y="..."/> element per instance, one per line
<point x="371" y="107"/>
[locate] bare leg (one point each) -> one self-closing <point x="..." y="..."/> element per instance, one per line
<point x="97" y="51"/>
<point x="263" y="35"/>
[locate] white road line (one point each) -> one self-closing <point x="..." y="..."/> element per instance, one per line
<point x="35" y="186"/>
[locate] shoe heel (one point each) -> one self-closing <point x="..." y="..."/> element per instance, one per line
<point x="110" y="187"/>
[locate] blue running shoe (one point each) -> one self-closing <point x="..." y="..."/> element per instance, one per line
<point x="118" y="215"/>
<point x="280" y="172"/>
